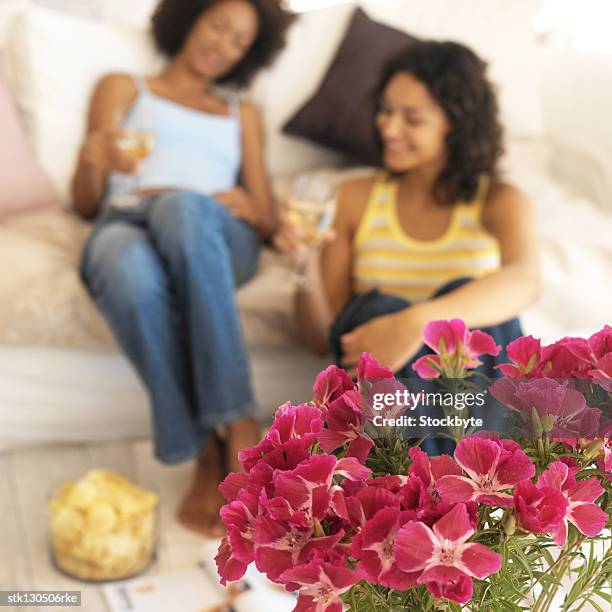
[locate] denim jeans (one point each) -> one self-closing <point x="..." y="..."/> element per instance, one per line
<point x="366" y="306"/>
<point x="163" y="274"/>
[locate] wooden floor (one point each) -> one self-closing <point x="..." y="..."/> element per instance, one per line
<point x="27" y="478"/>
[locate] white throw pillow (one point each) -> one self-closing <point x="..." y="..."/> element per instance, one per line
<point x="54" y="60"/>
<point x="8" y="10"/>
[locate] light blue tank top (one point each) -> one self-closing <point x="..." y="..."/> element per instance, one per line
<point x="193" y="151"/>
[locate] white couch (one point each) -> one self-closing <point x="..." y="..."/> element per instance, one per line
<point x="61" y="375"/>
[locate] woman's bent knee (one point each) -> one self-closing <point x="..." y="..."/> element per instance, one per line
<point x="121" y="263"/>
<point x="184" y="208"/>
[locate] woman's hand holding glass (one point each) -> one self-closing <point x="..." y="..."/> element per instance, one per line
<point x="135" y="145"/>
<point x="102" y="152"/>
<point x="306" y="220"/>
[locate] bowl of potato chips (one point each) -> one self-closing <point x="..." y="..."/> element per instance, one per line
<point x="103" y="527"/>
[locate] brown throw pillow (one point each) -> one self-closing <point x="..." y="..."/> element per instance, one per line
<point x="341" y="113"/>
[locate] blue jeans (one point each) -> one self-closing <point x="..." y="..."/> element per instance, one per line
<point x="362" y="308"/>
<point x="163" y="274"/>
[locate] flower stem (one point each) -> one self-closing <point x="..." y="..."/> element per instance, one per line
<point x="557" y="570"/>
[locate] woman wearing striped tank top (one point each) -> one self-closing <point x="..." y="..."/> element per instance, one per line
<point x="435" y="234"/>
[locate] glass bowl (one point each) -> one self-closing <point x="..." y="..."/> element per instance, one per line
<point x="102" y="527"/>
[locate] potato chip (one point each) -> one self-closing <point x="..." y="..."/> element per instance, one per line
<point x="102" y="516"/>
<point x="82" y="495"/>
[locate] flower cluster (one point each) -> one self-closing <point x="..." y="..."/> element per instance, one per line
<point x="558" y="389"/>
<point x="313" y="516"/>
<point x="568" y="357"/>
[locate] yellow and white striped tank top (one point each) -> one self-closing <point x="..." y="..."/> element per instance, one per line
<point x="388" y="259"/>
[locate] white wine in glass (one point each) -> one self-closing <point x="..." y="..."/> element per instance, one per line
<point x="313" y="219"/>
<point x="136" y="145"/>
<point x="136" y="138"/>
<point x="311" y="207"/>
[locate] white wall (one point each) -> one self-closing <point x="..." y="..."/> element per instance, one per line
<point x="133" y="12"/>
<point x="580" y="25"/>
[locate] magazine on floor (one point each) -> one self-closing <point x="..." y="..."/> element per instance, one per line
<point x="197" y="589"/>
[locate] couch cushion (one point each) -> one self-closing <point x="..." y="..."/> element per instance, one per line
<point x="24" y="184"/>
<point x="43" y="303"/>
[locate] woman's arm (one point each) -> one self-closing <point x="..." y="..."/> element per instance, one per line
<point x="509" y="216"/>
<point x="328" y="277"/>
<point x="253" y="202"/>
<point x="98" y="155"/>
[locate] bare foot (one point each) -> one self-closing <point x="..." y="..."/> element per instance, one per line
<point x="240" y="434"/>
<point x="199" y="510"/>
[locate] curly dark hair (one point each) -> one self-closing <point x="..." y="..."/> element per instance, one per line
<point x="174" y="19"/>
<point x="456" y="78"/>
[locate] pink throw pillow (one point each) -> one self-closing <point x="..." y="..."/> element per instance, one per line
<point x="23" y="184"/>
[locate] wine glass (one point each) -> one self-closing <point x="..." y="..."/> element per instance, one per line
<point x="311" y="207"/>
<point x="136" y="142"/>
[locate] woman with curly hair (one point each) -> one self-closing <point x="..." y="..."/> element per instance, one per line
<point x="434" y="235"/>
<point x="163" y="270"/>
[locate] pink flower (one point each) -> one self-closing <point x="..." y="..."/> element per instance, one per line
<point x="229" y="567"/>
<point x="539" y="509"/>
<point x="588" y="517"/>
<point x="492" y="466"/>
<point x="373" y="548"/>
<point x="239" y="519"/>
<point x="596" y="351"/>
<point x="391" y="482"/>
<point x="602" y="372"/>
<point x="524" y="353"/>
<point x="320" y="585"/>
<point x="577" y="357"/>
<point x="306" y="492"/>
<point x="430" y="470"/>
<point x="568" y="413"/>
<point x="370" y="369"/>
<point x="280" y="547"/>
<point x="345" y="424"/>
<point x="233" y="484"/>
<point x="565" y="358"/>
<point x="287" y="443"/>
<point x="329" y="385"/>
<point x="600" y="342"/>
<point x="605" y="461"/>
<point x="446" y="561"/>
<point x="366" y="502"/>
<point x="446" y="582"/>
<point x="428" y="366"/>
<point x="455" y="348"/>
<point x="420" y="493"/>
